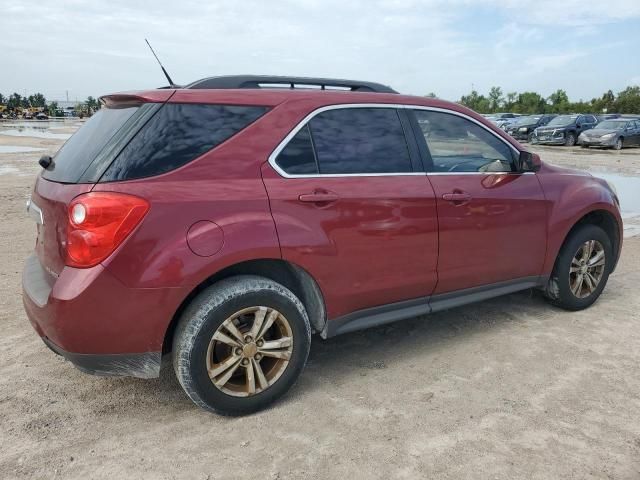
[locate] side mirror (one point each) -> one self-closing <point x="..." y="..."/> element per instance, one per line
<point x="528" y="162"/>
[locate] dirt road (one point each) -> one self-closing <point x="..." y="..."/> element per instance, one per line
<point x="509" y="388"/>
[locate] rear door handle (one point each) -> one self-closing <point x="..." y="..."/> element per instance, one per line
<point x="318" y="197"/>
<point x="459" y="198"/>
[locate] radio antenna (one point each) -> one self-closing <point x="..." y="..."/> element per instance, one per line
<point x="171" y="84"/>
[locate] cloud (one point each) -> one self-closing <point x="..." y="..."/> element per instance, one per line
<point x="569" y="12"/>
<point x="417" y="46"/>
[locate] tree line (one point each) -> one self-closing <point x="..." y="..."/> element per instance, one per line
<point x="626" y="101"/>
<point x="15" y="101"/>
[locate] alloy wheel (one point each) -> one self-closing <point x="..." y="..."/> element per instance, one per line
<point x="249" y="351"/>
<point x="587" y="268"/>
<point x="618" y="145"/>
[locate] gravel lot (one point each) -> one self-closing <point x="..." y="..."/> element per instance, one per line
<point x="509" y="388"/>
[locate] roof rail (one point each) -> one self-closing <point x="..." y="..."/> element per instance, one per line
<point x="267" y="81"/>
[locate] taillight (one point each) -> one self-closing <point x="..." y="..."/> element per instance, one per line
<point x="98" y="222"/>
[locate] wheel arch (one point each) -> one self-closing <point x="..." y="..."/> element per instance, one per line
<point x="604" y="219"/>
<point x="288" y="274"/>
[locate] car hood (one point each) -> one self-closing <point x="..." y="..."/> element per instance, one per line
<point x="526" y="125"/>
<point x="598" y="132"/>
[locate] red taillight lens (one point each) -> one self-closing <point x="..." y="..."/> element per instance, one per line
<point x="98" y="222"/>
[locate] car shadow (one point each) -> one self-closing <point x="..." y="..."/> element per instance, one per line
<point x="342" y="359"/>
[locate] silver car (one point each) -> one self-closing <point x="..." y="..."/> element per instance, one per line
<point x="615" y="133"/>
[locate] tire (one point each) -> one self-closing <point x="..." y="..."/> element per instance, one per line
<point x="570" y="140"/>
<point x="619" y="145"/>
<point x="559" y="290"/>
<point x="195" y="351"/>
<point x="530" y="138"/>
<point x="584" y="146"/>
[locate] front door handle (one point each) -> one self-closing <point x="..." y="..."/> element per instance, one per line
<point x="318" y="197"/>
<point x="457" y="198"/>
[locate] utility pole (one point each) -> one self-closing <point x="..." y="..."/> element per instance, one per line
<point x="67" y="91"/>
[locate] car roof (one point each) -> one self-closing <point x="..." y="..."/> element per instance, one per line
<point x="275" y="96"/>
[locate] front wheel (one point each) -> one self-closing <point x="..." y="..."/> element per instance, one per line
<point x="570" y="141"/>
<point x="582" y="269"/>
<point x="241" y="344"/>
<point x="619" y="144"/>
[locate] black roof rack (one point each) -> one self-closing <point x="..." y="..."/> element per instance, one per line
<point x="267" y="81"/>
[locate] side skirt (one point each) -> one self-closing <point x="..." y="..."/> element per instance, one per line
<point x="393" y="312"/>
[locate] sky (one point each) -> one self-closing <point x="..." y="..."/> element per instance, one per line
<point x="442" y="46"/>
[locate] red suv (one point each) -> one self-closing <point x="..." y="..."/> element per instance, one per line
<point x="226" y="221"/>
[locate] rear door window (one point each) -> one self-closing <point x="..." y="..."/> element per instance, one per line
<point x="360" y="141"/>
<point x="77" y="154"/>
<point x="177" y="134"/>
<point x="298" y="157"/>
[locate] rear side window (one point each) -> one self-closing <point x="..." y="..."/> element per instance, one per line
<point x="360" y="140"/>
<point x="77" y="154"/>
<point x="298" y="157"/>
<point x="177" y="134"/>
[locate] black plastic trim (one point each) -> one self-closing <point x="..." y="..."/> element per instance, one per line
<point x="254" y="81"/>
<point x="444" y="301"/>
<point x="383" y="314"/>
<point x="140" y="365"/>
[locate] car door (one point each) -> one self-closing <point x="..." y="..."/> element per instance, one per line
<point x="492" y="219"/>
<point x="352" y="207"/>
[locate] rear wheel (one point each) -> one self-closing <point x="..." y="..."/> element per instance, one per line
<point x="570" y="141"/>
<point x="241" y="344"/>
<point x="582" y="269"/>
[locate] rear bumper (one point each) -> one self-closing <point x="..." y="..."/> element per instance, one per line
<point x="140" y="365"/>
<point x="92" y="319"/>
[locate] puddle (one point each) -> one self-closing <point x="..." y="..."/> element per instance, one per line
<point x="38" y="129"/>
<point x="629" y="194"/>
<point x="4" y="169"/>
<point x="33" y="131"/>
<point x="628" y="191"/>
<point x="17" y="149"/>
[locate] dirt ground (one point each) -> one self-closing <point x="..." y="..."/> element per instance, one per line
<point x="509" y="388"/>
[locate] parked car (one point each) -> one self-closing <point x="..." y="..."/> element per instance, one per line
<point x="564" y="129"/>
<point x="42" y="116"/>
<point x="503" y="120"/>
<point x="617" y="134"/>
<point x="522" y="128"/>
<point x="607" y="116"/>
<point x="220" y="224"/>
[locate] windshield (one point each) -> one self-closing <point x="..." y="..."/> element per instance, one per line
<point x="612" y="124"/>
<point x="562" y="120"/>
<point x="528" y="120"/>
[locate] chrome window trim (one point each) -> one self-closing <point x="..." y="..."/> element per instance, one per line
<point x="283" y="143"/>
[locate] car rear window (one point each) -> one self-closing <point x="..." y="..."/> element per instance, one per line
<point x="177" y="134"/>
<point x="77" y="154"/>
